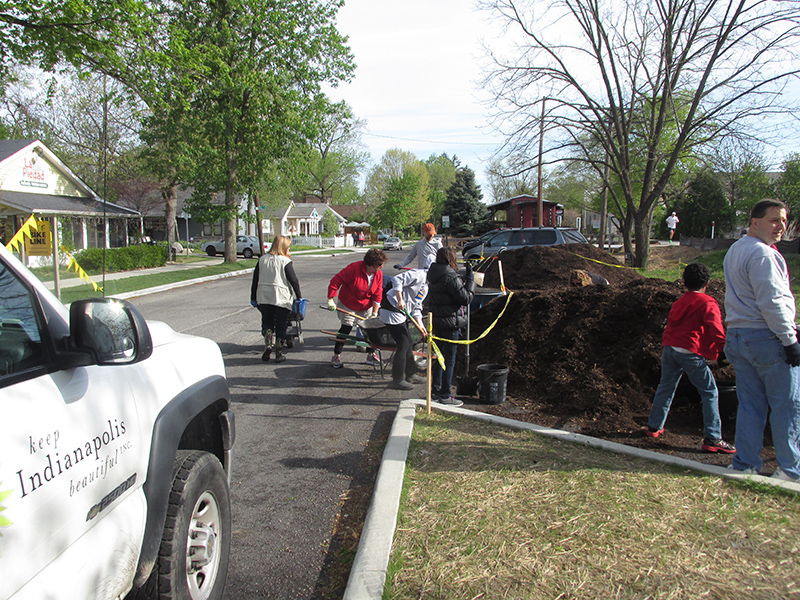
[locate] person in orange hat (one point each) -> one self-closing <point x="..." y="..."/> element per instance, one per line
<point x="424" y="250"/>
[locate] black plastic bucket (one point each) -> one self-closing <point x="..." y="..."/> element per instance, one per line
<point x="728" y="403"/>
<point x="492" y="383"/>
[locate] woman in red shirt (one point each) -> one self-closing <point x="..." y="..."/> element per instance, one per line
<point x="360" y="289"/>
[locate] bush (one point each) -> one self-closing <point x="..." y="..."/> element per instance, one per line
<point x="140" y="256"/>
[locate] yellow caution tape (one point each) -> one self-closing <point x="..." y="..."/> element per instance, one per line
<point x="438" y="353"/>
<point x="600" y="262"/>
<point x="73" y="264"/>
<point x="484" y="334"/>
<point x="19" y="237"/>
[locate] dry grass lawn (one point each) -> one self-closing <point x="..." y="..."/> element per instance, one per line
<point x="490" y="512"/>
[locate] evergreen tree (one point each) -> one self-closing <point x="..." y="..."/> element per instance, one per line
<point x="468" y="215"/>
<point x="705" y="203"/>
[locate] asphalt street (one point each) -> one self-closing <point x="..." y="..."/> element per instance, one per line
<point x="302" y="426"/>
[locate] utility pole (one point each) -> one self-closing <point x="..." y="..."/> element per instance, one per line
<point x="539" y="168"/>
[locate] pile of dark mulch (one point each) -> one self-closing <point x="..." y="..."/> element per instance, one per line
<point x="539" y="267"/>
<point x="587" y="359"/>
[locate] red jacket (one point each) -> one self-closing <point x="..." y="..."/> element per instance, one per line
<point x="355" y="291"/>
<point x="695" y="323"/>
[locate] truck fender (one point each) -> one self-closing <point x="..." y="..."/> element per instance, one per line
<point x="168" y="430"/>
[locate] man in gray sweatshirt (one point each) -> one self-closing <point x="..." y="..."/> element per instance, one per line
<point x="761" y="343"/>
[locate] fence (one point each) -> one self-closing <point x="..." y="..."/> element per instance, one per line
<point x="317" y="241"/>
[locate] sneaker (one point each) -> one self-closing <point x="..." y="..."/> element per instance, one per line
<point x="747" y="471"/>
<point x="783" y="475"/>
<point x="416" y="379"/>
<point x="373" y="360"/>
<point x="717" y="446"/>
<point x="401" y="384"/>
<point x="336" y="361"/>
<point x="653" y="433"/>
<point x="450" y="401"/>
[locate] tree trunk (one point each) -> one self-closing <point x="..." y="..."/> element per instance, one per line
<point x="170" y="196"/>
<point x="642" y="237"/>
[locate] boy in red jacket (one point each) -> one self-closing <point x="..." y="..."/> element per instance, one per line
<point x="693" y="335"/>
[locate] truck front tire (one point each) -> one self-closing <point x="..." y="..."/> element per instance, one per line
<point x="195" y="547"/>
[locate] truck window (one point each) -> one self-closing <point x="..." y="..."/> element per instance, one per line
<point x="20" y="339"/>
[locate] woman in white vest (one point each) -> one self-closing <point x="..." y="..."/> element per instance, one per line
<point x="274" y="280"/>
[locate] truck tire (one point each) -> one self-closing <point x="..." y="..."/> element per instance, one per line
<point x="195" y="546"/>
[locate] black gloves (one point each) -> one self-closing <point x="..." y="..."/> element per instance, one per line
<point x="470" y="276"/>
<point x="792" y="354"/>
<point x="398" y="267"/>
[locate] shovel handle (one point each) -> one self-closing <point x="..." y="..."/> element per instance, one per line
<point x="347" y="312"/>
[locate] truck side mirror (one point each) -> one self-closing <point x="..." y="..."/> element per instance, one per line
<point x="113" y="331"/>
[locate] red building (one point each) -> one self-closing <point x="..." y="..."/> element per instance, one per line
<point x="523" y="211"/>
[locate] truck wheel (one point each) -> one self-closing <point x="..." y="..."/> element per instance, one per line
<point x="195" y="548"/>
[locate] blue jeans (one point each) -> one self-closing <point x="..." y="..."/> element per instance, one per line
<point x="765" y="385"/>
<point x="442" y="380"/>
<point x="673" y="364"/>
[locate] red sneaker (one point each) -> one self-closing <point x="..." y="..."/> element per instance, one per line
<point x="653" y="433"/>
<point x="718" y="446"/>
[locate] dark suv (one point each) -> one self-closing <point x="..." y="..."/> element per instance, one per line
<point x="511" y="239"/>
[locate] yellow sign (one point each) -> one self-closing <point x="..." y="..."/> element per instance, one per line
<point x="40" y="241"/>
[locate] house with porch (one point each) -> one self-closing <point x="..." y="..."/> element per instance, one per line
<point x="34" y="181"/>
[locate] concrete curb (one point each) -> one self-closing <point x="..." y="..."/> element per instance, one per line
<point x="179" y="284"/>
<point x="368" y="574"/>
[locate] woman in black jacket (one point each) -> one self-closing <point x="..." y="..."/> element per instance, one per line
<point x="447" y="297"/>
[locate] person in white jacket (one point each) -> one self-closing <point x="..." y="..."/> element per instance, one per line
<point x="274" y="280"/>
<point x="424" y="250"/>
<point x="408" y="290"/>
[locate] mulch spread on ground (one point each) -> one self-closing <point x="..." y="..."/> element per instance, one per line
<point x="588" y="359"/>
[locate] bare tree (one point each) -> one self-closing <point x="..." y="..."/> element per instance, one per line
<point x="639" y="86"/>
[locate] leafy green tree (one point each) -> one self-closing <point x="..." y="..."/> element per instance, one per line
<point x="704" y="205"/>
<point x="245" y="89"/>
<point x="330" y="224"/>
<point x="441" y="175"/>
<point x="468" y="215"/>
<point x="743" y="171"/>
<point x="571" y="185"/>
<point x="788" y="187"/>
<point x="397" y="209"/>
<point x="49" y="32"/>
<point x="393" y="165"/>
<point x="514" y="176"/>
<point x="336" y="158"/>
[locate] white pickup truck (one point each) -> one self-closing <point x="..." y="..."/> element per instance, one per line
<point x="116" y="439"/>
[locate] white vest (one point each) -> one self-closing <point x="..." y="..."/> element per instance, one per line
<point x="273" y="287"/>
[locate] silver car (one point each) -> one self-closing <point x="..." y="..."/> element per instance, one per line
<point x="511" y="239"/>
<point x="393" y="243"/>
<point x="246" y="245"/>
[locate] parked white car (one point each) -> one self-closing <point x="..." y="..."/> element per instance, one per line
<point x="393" y="243"/>
<point x="246" y="245"/>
